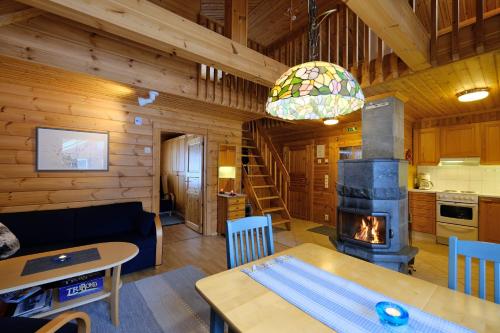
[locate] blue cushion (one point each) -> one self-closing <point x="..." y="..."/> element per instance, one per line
<point x="30" y="325"/>
<point x="41" y="227"/>
<point x="100" y="221"/>
<point x="146" y="222"/>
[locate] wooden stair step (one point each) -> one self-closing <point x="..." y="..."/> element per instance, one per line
<point x="272" y="209"/>
<point x="254" y="165"/>
<point x="262" y="186"/>
<point x="280" y="221"/>
<point x="269" y="198"/>
<point x="250" y="155"/>
<point x="249" y="147"/>
<point x="258" y="175"/>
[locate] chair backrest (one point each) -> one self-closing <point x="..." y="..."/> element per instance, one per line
<point x="473" y="249"/>
<point x="248" y="239"/>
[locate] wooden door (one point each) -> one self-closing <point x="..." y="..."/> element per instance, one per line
<point x="460" y="141"/>
<point x="489" y="228"/>
<point x="194" y="181"/>
<point x="427" y="146"/>
<point x="298" y="160"/>
<point x="490" y="142"/>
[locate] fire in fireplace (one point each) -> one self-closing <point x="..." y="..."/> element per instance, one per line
<point x="368" y="230"/>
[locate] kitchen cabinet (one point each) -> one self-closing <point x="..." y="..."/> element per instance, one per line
<point x="489" y="222"/>
<point x="460" y="141"/>
<point x="422" y="208"/>
<point x="490" y="142"/>
<point x="427" y="146"/>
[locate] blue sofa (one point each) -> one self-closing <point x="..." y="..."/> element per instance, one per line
<point x="40" y="231"/>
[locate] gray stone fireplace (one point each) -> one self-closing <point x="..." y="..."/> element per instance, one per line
<point x="372" y="209"/>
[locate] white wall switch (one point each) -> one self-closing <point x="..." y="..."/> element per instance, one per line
<point x="326" y="181"/>
<point x="327" y="218"/>
<point x="319" y="160"/>
<point x="326" y="160"/>
<point x="147" y="150"/>
<point x="138" y="121"/>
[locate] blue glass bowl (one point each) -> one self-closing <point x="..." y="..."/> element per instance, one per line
<point x="392" y="313"/>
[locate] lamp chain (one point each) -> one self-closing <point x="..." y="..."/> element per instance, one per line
<point x="313" y="31"/>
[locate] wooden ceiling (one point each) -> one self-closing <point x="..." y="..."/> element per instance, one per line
<point x="268" y="21"/>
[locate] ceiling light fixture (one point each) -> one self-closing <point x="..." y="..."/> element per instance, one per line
<point x="331" y="121"/>
<point x="315" y="89"/>
<point x="472" y="95"/>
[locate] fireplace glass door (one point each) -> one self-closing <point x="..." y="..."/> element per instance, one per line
<point x="367" y="230"/>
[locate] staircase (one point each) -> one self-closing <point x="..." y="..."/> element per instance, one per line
<point x="265" y="178"/>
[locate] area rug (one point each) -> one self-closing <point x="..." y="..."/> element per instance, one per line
<point x="167" y="220"/>
<point x="159" y="304"/>
<point x="324" y="230"/>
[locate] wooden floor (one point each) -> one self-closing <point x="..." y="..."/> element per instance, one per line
<point x="182" y="246"/>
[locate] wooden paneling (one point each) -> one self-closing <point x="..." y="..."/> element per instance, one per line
<point x="490" y="142"/>
<point x="460" y="141"/>
<point x="422" y="207"/>
<point x="35" y="95"/>
<point x="149" y="24"/>
<point x="489" y="228"/>
<point x="427" y="145"/>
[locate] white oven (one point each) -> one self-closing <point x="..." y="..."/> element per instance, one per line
<point x="456" y="215"/>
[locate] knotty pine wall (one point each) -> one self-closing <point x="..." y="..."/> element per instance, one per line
<point x="36" y="95"/>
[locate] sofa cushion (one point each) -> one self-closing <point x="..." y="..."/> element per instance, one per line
<point x="100" y="221"/>
<point x="41" y="227"/>
<point x="146" y="222"/>
<point x="30" y="325"/>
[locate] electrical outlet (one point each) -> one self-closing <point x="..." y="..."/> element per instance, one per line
<point x="327" y="218"/>
<point x="326" y="181"/>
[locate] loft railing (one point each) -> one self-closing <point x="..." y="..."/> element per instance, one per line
<point x="272" y="159"/>
<point x="219" y="87"/>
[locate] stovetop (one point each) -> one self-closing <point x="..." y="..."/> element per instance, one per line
<point x="458" y="196"/>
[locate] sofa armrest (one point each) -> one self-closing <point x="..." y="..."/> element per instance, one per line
<point x="82" y="320"/>
<point x="159" y="240"/>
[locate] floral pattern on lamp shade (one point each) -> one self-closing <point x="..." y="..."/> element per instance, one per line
<point x="314" y="90"/>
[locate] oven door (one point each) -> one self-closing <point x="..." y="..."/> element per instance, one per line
<point x="457" y="213"/>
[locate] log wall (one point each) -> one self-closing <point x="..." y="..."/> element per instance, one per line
<point x="35" y="95"/>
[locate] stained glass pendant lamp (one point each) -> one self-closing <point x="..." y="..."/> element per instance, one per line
<point x="315" y="89"/>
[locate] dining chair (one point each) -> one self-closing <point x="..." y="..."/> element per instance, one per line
<point x="474" y="249"/>
<point x="248" y="239"/>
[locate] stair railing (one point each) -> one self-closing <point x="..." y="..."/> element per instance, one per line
<point x="272" y="159"/>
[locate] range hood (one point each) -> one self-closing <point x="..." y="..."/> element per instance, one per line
<point x="471" y="161"/>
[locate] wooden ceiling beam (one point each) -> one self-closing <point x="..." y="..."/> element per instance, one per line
<point x="20" y="15"/>
<point x="397" y="25"/>
<point x="151" y="25"/>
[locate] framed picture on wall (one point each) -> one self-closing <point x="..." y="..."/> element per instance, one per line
<point x="70" y="150"/>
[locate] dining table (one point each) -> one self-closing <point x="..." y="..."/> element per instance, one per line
<point x="247" y="306"/>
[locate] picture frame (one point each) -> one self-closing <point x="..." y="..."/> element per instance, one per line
<point x="59" y="149"/>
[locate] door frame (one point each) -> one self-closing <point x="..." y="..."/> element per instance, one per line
<point x="158" y="128"/>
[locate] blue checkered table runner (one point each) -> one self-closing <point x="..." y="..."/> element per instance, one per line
<point x="338" y="303"/>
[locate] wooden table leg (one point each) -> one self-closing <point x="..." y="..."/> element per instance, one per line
<point x="216" y="322"/>
<point x="115" y="295"/>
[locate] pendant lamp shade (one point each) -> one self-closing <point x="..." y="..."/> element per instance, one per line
<point x="314" y="90"/>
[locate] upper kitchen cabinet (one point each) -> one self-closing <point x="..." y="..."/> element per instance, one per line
<point x="427" y="146"/>
<point x="460" y="141"/>
<point x="490" y="142"/>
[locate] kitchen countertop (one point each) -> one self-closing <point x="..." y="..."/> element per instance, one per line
<point x="488" y="195"/>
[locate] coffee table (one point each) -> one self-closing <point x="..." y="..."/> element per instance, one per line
<point x="113" y="255"/>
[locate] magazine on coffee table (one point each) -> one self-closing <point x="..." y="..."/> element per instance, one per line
<point x="36" y="303"/>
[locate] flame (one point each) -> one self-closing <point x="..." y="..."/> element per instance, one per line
<point x="369" y="230"/>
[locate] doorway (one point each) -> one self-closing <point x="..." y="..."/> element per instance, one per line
<point x="180" y="190"/>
